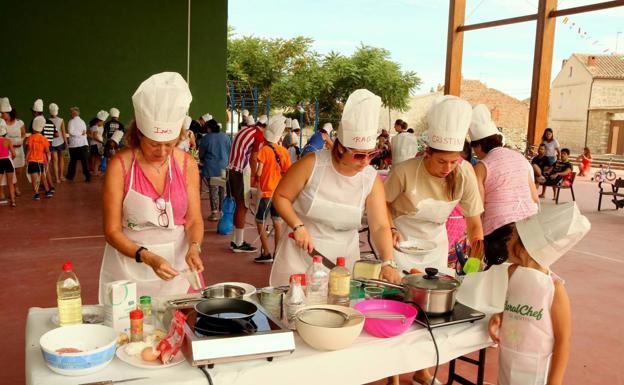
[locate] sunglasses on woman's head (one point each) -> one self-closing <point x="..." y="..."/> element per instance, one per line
<point x="361" y="155"/>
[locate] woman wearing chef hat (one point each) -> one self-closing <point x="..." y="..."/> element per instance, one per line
<point x="505" y="177"/>
<point x="152" y="218"/>
<point x="323" y="196"/>
<point x="533" y="331"/>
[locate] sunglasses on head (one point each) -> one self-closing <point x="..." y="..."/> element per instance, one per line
<point x="361" y="155"/>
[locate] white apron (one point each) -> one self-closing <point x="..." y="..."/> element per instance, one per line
<point x="428" y="223"/>
<point x="140" y="225"/>
<point x="526" y="333"/>
<point x="333" y="225"/>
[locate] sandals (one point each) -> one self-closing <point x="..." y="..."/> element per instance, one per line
<point x="417" y="382"/>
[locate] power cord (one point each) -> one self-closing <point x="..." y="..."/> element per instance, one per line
<point x="435" y="373"/>
<point x="204" y="369"/>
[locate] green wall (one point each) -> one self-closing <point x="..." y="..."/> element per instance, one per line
<point x="95" y="53"/>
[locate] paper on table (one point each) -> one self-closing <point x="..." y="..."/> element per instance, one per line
<point x="486" y="290"/>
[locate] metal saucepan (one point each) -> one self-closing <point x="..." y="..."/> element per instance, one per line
<point x="227" y="314"/>
<point x="433" y="292"/>
<point x="215" y="291"/>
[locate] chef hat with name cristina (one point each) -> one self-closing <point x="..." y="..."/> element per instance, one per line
<point x="117" y="136"/>
<point x="552" y="232"/>
<point x="289" y="123"/>
<point x="5" y="105"/>
<point x="37" y="106"/>
<point x="3" y="127"/>
<point x="102" y="115"/>
<point x="274" y="130"/>
<point x="53" y="108"/>
<point x="263" y="119"/>
<point x="448" y="119"/>
<point x="481" y="125"/>
<point x="38" y="123"/>
<point x="160" y="105"/>
<point x="114" y="112"/>
<point x="360" y="120"/>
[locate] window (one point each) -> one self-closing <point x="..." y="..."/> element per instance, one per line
<point x="570" y="75"/>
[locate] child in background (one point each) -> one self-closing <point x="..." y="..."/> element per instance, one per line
<point x="533" y="331"/>
<point x="111" y="147"/>
<point x="273" y="161"/>
<point x="96" y="141"/>
<point x="38" y="151"/>
<point x="7" y="152"/>
<point x="585" y="158"/>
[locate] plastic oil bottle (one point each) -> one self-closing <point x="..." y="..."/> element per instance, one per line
<point x="68" y="297"/>
<point x="339" y="284"/>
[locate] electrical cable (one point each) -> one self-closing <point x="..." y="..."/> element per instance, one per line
<point x="435" y="344"/>
<point x="204" y="370"/>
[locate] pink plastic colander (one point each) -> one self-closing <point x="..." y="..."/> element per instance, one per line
<point x="385" y="328"/>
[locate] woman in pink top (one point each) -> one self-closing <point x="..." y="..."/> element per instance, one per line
<point x="6" y="166"/>
<point x="152" y="216"/>
<point x="505" y="177"/>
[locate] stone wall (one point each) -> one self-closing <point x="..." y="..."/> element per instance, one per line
<point x="599" y="125"/>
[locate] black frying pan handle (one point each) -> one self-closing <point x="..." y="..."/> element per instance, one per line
<point x="247" y="326"/>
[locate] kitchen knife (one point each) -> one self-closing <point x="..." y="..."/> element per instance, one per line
<point x="110" y="382"/>
<point x="326" y="261"/>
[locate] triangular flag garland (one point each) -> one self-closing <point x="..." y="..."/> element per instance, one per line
<point x="584" y="35"/>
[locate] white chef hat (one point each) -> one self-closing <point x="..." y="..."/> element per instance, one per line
<point x="102" y="115"/>
<point x="275" y="128"/>
<point x="3" y="127"/>
<point x="360" y="120"/>
<point x="245" y="112"/>
<point x="160" y="105"/>
<point x="53" y="108"/>
<point x="206" y="117"/>
<point x="328" y="127"/>
<point x="295" y="124"/>
<point x="553" y="231"/>
<point x="114" y="112"/>
<point x="38" y="105"/>
<point x="481" y="125"/>
<point x="288" y="123"/>
<point x="38" y="123"/>
<point x="5" y="105"/>
<point x="263" y="119"/>
<point x="249" y="120"/>
<point x="187" y="122"/>
<point x="117" y="135"/>
<point x="448" y="119"/>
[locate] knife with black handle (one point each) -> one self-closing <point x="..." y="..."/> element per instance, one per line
<point x="326" y="261"/>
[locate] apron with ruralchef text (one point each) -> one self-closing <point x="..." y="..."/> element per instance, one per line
<point x="333" y="226"/>
<point x="141" y="225"/>
<point x="526" y="332"/>
<point x="428" y="223"/>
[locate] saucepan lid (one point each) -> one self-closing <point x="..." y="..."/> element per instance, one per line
<point x="431" y="280"/>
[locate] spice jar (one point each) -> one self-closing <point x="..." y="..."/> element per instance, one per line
<point x="136" y="325"/>
<point x="145" y="304"/>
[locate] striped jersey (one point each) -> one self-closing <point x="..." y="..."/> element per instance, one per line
<point x="247" y="140"/>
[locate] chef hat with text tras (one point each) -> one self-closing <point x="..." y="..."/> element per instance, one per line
<point x="3" y="127"/>
<point x="37" y="106"/>
<point x="114" y="112"/>
<point x="53" y="108"/>
<point x="38" y="123"/>
<point x="552" y="232"/>
<point x="5" y="105"/>
<point x="360" y="120"/>
<point x="481" y="125"/>
<point x="448" y="119"/>
<point x="274" y="130"/>
<point x="160" y="105"/>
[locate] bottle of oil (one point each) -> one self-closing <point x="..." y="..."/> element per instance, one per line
<point x="68" y="297"/>
<point x="339" y="284"/>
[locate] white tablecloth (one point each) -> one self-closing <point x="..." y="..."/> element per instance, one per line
<point x="368" y="359"/>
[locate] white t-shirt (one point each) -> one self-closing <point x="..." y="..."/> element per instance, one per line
<point x="551" y="147"/>
<point x="77" y="129"/>
<point x="97" y="132"/>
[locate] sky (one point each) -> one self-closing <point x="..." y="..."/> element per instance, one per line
<point x="415" y="31"/>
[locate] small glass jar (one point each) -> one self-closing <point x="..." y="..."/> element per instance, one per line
<point x="145" y="304"/>
<point x="136" y="325"/>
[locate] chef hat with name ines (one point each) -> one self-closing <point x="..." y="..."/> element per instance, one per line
<point x="263" y="119"/>
<point x="274" y="130"/>
<point x="448" y="119"/>
<point x="53" y="108"/>
<point x="552" y="232"/>
<point x="114" y="112"/>
<point x="38" y="123"/>
<point x="187" y="122"/>
<point x="3" y="127"/>
<point x="481" y="125"/>
<point x="288" y="123"/>
<point x="37" y="106"/>
<point x="102" y="115"/>
<point x="360" y="120"/>
<point x="206" y="117"/>
<point x="5" y="105"/>
<point x="117" y="136"/>
<point x="295" y="125"/>
<point x="160" y="105"/>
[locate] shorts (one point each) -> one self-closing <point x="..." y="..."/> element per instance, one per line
<point x="94" y="150"/>
<point x="59" y="148"/>
<point x="235" y="185"/>
<point x="35" y="168"/>
<point x="6" y="166"/>
<point x="551" y="160"/>
<point x="265" y="205"/>
<point x="553" y="182"/>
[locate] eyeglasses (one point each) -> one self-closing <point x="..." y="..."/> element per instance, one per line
<point x="163" y="217"/>
<point x="361" y="155"/>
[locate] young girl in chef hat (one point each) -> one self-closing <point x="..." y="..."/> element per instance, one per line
<point x="533" y="331"/>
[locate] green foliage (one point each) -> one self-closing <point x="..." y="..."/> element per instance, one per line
<point x="289" y="71"/>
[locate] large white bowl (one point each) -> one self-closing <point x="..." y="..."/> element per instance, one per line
<point x="97" y="342"/>
<point x="328" y="337"/>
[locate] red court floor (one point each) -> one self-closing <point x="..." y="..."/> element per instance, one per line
<point x="37" y="237"/>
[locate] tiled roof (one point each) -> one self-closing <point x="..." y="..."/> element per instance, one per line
<point x="607" y="66"/>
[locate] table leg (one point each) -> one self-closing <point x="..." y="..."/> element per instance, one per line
<point x="480" y="363"/>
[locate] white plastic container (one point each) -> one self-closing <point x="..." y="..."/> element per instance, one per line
<point x="294" y="301"/>
<point x="317" y="281"/>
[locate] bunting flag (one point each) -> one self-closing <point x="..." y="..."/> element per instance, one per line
<point x="585" y="35"/>
<point x="565" y="20"/>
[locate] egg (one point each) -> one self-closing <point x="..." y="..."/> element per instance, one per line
<point x="149" y="354"/>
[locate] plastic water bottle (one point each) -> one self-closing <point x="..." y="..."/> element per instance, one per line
<point x="339" y="283"/>
<point x="68" y="297"/>
<point x="317" y="279"/>
<point x="295" y="300"/>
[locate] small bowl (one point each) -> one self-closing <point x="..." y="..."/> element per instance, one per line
<point x="416" y="246"/>
<point x="384" y="328"/>
<point x="330" y="337"/>
<point x="96" y="342"/>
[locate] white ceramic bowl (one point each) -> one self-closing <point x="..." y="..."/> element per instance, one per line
<point x="331" y="338"/>
<point x="96" y="342"/>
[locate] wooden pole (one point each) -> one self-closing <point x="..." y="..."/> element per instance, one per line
<point x="542" y="66"/>
<point x="454" y="47"/>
